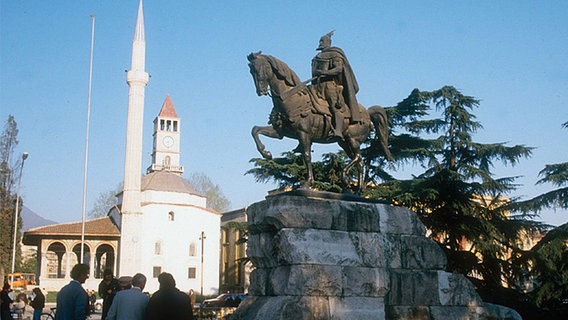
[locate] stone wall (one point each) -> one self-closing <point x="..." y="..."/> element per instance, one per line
<point x="335" y="259"/>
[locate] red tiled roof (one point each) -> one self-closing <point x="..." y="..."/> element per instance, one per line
<point x="95" y="227"/>
<point x="168" y="109"/>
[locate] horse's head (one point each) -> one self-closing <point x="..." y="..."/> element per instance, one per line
<point x="260" y="70"/>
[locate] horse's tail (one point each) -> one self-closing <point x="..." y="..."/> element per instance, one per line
<point x="380" y="120"/>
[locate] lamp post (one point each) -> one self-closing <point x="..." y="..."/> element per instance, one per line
<point x="24" y="157"/>
<point x="202" y="238"/>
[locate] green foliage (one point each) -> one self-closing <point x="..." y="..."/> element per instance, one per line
<point x="288" y="171"/>
<point x="457" y="198"/>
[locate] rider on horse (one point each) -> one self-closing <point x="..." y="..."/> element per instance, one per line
<point x="335" y="82"/>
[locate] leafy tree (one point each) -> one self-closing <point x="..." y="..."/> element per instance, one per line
<point x="216" y="200"/>
<point x="8" y="170"/>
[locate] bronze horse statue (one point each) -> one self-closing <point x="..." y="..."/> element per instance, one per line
<point x="299" y="114"/>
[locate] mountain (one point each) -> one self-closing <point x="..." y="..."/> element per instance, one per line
<point x="31" y="219"/>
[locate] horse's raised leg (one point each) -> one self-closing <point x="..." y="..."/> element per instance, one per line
<point x="352" y="148"/>
<point x="265" y="131"/>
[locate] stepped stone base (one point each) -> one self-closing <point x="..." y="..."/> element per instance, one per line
<point x="348" y="260"/>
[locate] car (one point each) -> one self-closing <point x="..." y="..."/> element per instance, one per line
<point x="224" y="300"/>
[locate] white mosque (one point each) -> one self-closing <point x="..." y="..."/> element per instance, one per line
<point x="160" y="223"/>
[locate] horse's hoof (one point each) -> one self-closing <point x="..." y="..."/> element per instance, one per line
<point x="267" y="155"/>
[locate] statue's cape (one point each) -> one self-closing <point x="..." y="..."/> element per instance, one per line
<point x="350" y="85"/>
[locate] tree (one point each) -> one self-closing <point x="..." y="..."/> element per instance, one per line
<point x="465" y="208"/>
<point x="105" y="201"/>
<point x="288" y="171"/>
<point x="549" y="257"/>
<point x="8" y="170"/>
<point x="216" y="200"/>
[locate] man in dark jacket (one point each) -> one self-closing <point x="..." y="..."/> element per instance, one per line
<point x="169" y="302"/>
<point x="107" y="290"/>
<point x="72" y="299"/>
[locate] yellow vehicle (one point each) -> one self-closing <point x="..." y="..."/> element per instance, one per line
<point x="21" y="280"/>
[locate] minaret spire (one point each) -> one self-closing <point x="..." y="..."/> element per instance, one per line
<point x="137" y="79"/>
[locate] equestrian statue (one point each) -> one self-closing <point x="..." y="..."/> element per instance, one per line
<point x="325" y="111"/>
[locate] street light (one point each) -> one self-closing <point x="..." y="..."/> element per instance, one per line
<point x="24" y="157"/>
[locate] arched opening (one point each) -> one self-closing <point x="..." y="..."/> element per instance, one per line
<point x="86" y="253"/>
<point x="54" y="256"/>
<point x="104" y="259"/>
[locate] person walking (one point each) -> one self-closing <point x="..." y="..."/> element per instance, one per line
<point x="130" y="304"/>
<point x="38" y="303"/>
<point x="169" y="302"/>
<point x="72" y="299"/>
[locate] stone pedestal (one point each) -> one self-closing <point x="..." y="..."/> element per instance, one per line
<point x="335" y="259"/>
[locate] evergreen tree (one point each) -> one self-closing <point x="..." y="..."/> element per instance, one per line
<point x="8" y="142"/>
<point x="465" y="208"/>
<point x="549" y="258"/>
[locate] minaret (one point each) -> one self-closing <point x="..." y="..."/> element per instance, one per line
<point x="137" y="79"/>
<point x="166" y="150"/>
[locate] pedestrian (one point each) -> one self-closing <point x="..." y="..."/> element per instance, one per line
<point x="169" y="302"/>
<point x="130" y="304"/>
<point x="192" y="297"/>
<point x="72" y="299"/>
<point x="107" y="289"/>
<point x="5" y="301"/>
<point x="38" y="303"/>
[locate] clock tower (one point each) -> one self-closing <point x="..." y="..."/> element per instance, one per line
<point x="165" y="152"/>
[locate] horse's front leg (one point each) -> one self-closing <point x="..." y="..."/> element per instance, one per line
<point x="265" y="131"/>
<point x="357" y="160"/>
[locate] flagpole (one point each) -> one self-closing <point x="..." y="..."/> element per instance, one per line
<point x="84" y="211"/>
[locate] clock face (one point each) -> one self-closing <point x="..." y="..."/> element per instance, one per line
<point x="168" y="141"/>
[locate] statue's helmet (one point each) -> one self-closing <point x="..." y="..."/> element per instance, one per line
<point x="325" y="41"/>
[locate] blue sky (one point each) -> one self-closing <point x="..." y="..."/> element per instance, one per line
<point x="509" y="54"/>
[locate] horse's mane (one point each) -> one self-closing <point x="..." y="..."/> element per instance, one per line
<point x="283" y="71"/>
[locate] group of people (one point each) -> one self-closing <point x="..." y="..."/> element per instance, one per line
<point x="10" y="305"/>
<point x="124" y="300"/>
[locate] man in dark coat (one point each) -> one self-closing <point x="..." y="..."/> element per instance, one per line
<point x="72" y="299"/>
<point x="169" y="302"/>
<point x="108" y="287"/>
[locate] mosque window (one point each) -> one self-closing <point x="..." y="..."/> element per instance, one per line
<point x="156" y="271"/>
<point x="158" y="248"/>
<point x="192" y="249"/>
<point x="171" y="216"/>
<point x="191" y="273"/>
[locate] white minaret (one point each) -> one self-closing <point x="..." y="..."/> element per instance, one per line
<point x="137" y="79"/>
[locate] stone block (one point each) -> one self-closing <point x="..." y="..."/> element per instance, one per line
<point x="356" y="308"/>
<point x="283" y="308"/>
<point x="365" y="282"/>
<point x="377" y="249"/>
<point x="261" y="251"/>
<point x="419" y="252"/>
<point x="356" y="216"/>
<point x="399" y="220"/>
<point x="310" y="246"/>
<point x="456" y="290"/>
<point x="306" y="280"/>
<point x="413" y="288"/>
<point x="258" y="282"/>
<point x="408" y="313"/>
